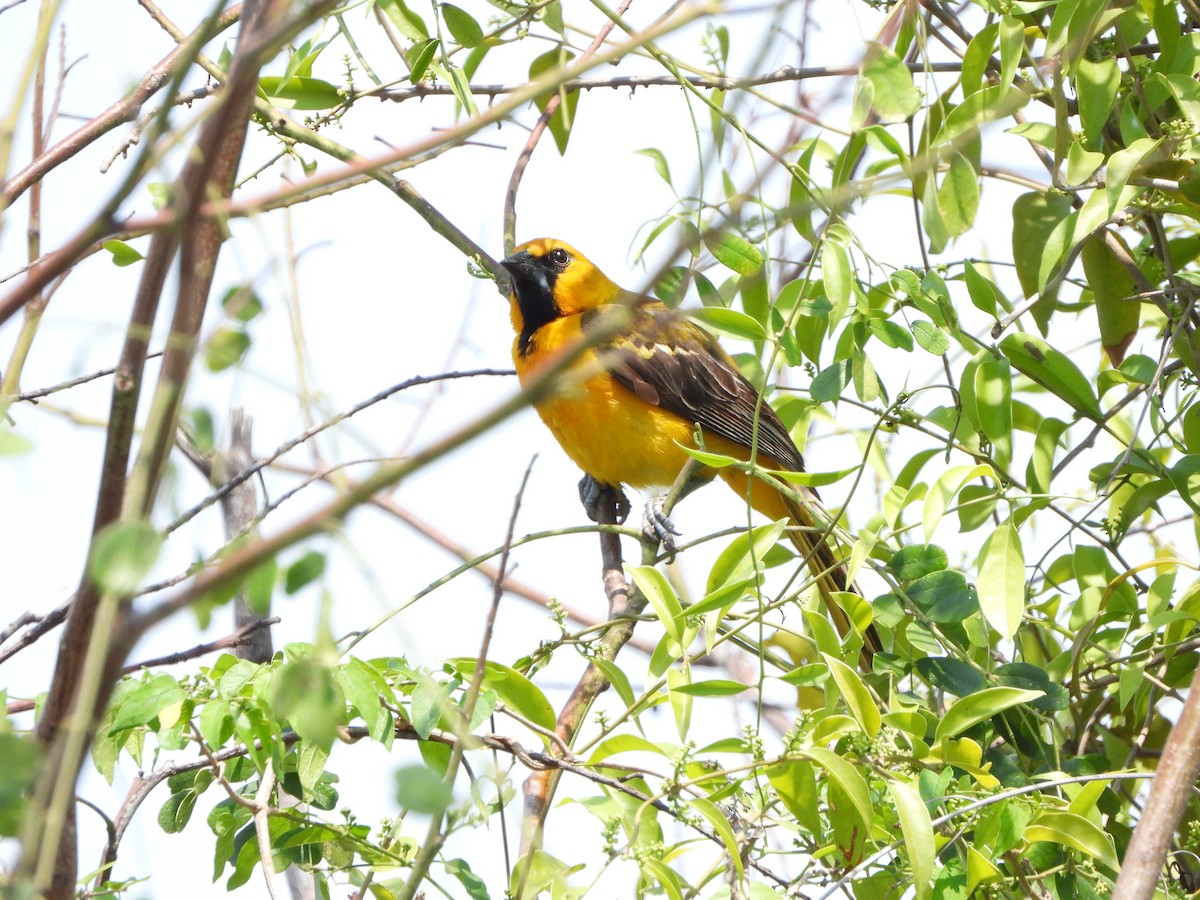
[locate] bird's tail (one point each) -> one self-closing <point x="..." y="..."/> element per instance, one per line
<point x="828" y="570"/>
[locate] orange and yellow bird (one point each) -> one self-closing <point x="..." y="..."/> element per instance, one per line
<point x="639" y="396"/>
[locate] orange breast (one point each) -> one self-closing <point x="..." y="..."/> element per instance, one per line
<point x="609" y="432"/>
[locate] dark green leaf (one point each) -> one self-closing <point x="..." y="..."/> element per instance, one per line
<point x="421" y="59"/>
<point x="951" y="675"/>
<point x="917" y="561"/>
<point x="944" y="597"/>
<point x="462" y="26"/>
<point x="304" y="571"/>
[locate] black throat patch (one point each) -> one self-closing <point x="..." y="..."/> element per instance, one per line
<point x="534" y="287"/>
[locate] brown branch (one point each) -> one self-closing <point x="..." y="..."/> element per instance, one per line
<point x="41" y="625"/>
<point x="74" y="382"/>
<point x="243" y="637"/>
<point x="539" y="787"/>
<point x="1169" y="795"/>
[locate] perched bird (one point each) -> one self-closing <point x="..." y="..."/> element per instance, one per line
<point x="641" y="395"/>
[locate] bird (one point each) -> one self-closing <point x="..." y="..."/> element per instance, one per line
<point x="651" y="384"/>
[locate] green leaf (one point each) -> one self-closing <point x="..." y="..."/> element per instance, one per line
<point x="993" y="403"/>
<point x="979" y="707"/>
<point x="855" y="693"/>
<point x="830" y="382"/>
<point x="1096" y="85"/>
<point x="815" y="479"/>
<point x="1001" y="583"/>
<point x="837" y="277"/>
<point x="225" y="348"/>
<point x="462" y="26"/>
<point x="11" y="443"/>
<point x="421" y="59"/>
<point x="715" y="687"/>
<point x="721" y="826"/>
<point x="1053" y="370"/>
<point x="951" y="675"/>
<point x="1035" y="217"/>
<point x="144" y="702"/>
<point x="730" y="322"/>
<point x="740" y="561"/>
<point x="1071" y="830"/>
<point x="916" y="827"/>
<point x="984" y="294"/>
<point x="958" y="196"/>
<point x="734" y="253"/>
<point x="944" y="597"/>
<point x="1118" y="311"/>
<point x="930" y="338"/>
<point x="847" y="777"/>
<point x="917" y="561"/>
<point x="944" y="490"/>
<point x="300" y="93"/>
<point x="122" y="555"/>
<point x="564" y="116"/>
<point x="421" y="790"/>
<point x="660" y="163"/>
<point x="304" y="571"/>
<point x="461" y="85"/>
<point x="304" y="692"/>
<point x="475" y="886"/>
<point x="654" y="585"/>
<point x="404" y="19"/>
<point x="894" y="96"/>
<point x="260" y="585"/>
<point x="517" y="691"/>
<point x="795" y="784"/>
<point x="122" y="253"/>
<point x="242" y="303"/>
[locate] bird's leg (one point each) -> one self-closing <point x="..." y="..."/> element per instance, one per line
<point x="656" y="524"/>
<point x="593" y="494"/>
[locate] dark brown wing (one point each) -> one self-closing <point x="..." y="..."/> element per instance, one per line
<point x="670" y="362"/>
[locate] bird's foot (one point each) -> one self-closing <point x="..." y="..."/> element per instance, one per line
<point x="658" y="527"/>
<point x="594" y="495"/>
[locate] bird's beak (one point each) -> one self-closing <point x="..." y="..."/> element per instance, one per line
<point x="518" y="262"/>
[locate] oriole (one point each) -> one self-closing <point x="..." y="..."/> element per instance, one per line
<point x="641" y="394"/>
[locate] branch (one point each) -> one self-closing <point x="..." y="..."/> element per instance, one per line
<point x="633" y="82"/>
<point x="1174" y="780"/>
<point x="240" y="638"/>
<point x="258" y="465"/>
<point x="124" y="110"/>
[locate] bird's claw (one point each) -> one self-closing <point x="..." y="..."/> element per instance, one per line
<point x="658" y="527"/>
<point x="593" y="494"/>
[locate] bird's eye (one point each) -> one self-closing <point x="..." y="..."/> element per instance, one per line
<point x="560" y="257"/>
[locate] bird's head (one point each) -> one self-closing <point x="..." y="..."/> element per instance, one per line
<point x="551" y="279"/>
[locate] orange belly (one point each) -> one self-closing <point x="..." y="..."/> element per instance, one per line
<point x="616" y="437"/>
